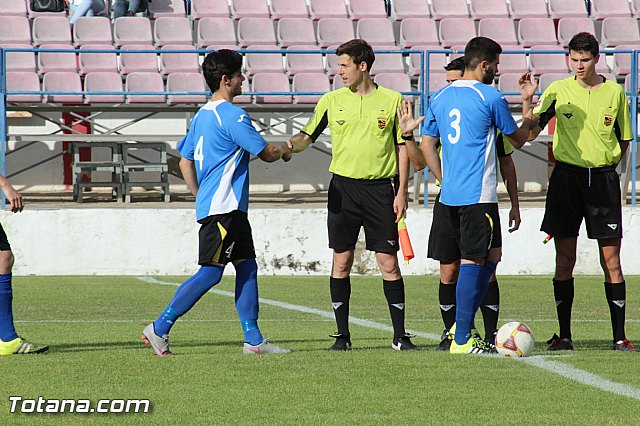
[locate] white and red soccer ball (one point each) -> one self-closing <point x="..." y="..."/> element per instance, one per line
<point x="514" y="339"/>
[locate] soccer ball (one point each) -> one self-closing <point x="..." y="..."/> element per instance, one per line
<point x="514" y="339"/>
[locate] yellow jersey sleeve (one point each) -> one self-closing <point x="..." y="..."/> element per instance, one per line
<point x="546" y="100"/>
<point x="623" y="120"/>
<point x="319" y="120"/>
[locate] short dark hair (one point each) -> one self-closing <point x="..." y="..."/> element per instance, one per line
<point x="456" y="65"/>
<point x="584" y="42"/>
<point x="221" y="62"/>
<point x="480" y="49"/>
<point x="359" y="51"/>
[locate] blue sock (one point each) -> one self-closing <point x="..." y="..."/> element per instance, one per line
<point x="466" y="293"/>
<point x="186" y="296"/>
<point x="247" y="300"/>
<point x="488" y="269"/>
<point x="7" y="330"/>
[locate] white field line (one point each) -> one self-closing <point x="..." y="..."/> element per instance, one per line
<point x="555" y="367"/>
<point x="413" y="320"/>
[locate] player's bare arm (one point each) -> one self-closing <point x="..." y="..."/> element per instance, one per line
<point x="529" y="120"/>
<point x="274" y="152"/>
<point x="430" y="155"/>
<point x="187" y="168"/>
<point x="299" y="142"/>
<point x="408" y="124"/>
<point x="528" y="87"/>
<point x="508" y="172"/>
<point x="400" y="200"/>
<point x="15" y="199"/>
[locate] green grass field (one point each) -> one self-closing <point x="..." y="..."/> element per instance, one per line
<point x="93" y="325"/>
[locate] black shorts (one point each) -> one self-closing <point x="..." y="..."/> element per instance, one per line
<point x="575" y="193"/>
<point x="225" y="238"/>
<point x="4" y="241"/>
<point x="476" y="228"/>
<point x="443" y="243"/>
<point x="355" y="203"/>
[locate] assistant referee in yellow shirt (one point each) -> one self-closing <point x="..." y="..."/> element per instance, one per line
<point x="370" y="170"/>
<point x="593" y="131"/>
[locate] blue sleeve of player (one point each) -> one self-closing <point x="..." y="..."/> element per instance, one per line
<point x="430" y="126"/>
<point x="502" y="116"/>
<point x="245" y="135"/>
<point x="186" y="147"/>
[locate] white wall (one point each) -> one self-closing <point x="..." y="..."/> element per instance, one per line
<point x="138" y="241"/>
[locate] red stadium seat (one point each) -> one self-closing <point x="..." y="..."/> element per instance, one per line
<point x="319" y="9"/>
<point x="528" y="9"/>
<point x="97" y="62"/>
<point x="415" y="31"/>
<point x="488" y="9"/>
<point x="288" y="9"/>
<point x="359" y="9"/>
<point x="216" y="31"/>
<point x="164" y="8"/>
<point x="103" y="82"/>
<point x="377" y="31"/>
<point x="209" y="9"/>
<point x="456" y="31"/>
<point x="601" y="9"/>
<point x="62" y="82"/>
<point x="334" y="31"/>
<point x="92" y="30"/>
<point x="186" y="82"/>
<point x="536" y="31"/>
<point x="132" y="30"/>
<point x="263" y="62"/>
<point x="310" y="82"/>
<point x="51" y="29"/>
<point x="441" y="9"/>
<point x="403" y="9"/>
<point x="249" y="9"/>
<point x="145" y="82"/>
<point x="292" y="31"/>
<point x="271" y="82"/>
<point x="256" y="31"/>
<point x="499" y="29"/>
<point x="178" y="62"/>
<point x="23" y="81"/>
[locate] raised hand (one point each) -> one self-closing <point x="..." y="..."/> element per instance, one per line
<point x="405" y="118"/>
<point x="528" y="86"/>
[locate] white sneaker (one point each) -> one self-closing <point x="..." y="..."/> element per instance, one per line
<point x="159" y="344"/>
<point x="263" y="348"/>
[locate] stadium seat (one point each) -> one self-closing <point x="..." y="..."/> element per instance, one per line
<point x="601" y="67"/>
<point x="334" y="31"/>
<point x="97" y="62"/>
<point x="172" y="30"/>
<point x="138" y="61"/>
<point x="457" y="47"/>
<point x="542" y="63"/>
<point x="528" y="9"/>
<point x="436" y="82"/>
<point x="164" y="8"/>
<point x="145" y="82"/>
<point x="263" y="62"/>
<point x="536" y="31"/>
<point x="336" y="82"/>
<point x="33" y="15"/>
<point x="13" y="8"/>
<point x="359" y="9"/>
<point x="19" y="61"/>
<point x="15" y="30"/>
<point x="619" y="31"/>
<point x="92" y="30"/>
<point x="377" y="31"/>
<point x="319" y="9"/>
<point x="62" y="82"/>
<point x="510" y="82"/>
<point x="622" y="61"/>
<point x="56" y="61"/>
<point x="387" y="62"/>
<point x="635" y="8"/>
<point x="310" y="82"/>
<point x="178" y="62"/>
<point x="403" y="9"/>
<point x="303" y="63"/>
<point x="399" y="82"/>
<point x="51" y="29"/>
<point x="132" y="30"/>
<point x="249" y="9"/>
<point x="513" y="62"/>
<point x="332" y="62"/>
<point x="548" y="78"/>
<point x="441" y="9"/>
<point x="414" y="31"/>
<point x="221" y="46"/>
<point x="601" y="9"/>
<point x="567" y="9"/>
<point x="480" y="9"/>
<point x="271" y="82"/>
<point x="288" y="9"/>
<point x="209" y="9"/>
<point x="216" y="31"/>
<point x="243" y="99"/>
<point x="456" y="31"/>
<point x="23" y="81"/>
<point x="256" y="31"/>
<point x="568" y="27"/>
<point x="186" y="82"/>
<point x="103" y="82"/>
<point x="292" y="31"/>
<point x="437" y="61"/>
<point x="499" y="29"/>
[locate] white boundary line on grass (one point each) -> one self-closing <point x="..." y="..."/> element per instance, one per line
<point x="555" y="367"/>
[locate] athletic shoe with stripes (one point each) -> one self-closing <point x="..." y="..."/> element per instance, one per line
<point x="20" y="346"/>
<point x="342" y="343"/>
<point x="558" y="344"/>
<point x="624" y="345"/>
<point x="263" y="348"/>
<point x="474" y="346"/>
<point x="403" y="343"/>
<point x="159" y="344"/>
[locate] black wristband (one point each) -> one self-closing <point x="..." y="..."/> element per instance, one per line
<point x="407" y="138"/>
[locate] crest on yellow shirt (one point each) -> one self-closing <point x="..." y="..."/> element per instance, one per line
<point x="382" y="123"/>
<point x="608" y="119"/>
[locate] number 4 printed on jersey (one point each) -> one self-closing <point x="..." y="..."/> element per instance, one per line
<point x="198" y="155"/>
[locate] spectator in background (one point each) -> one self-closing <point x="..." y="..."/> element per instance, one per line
<point x="129" y="7"/>
<point x="81" y="8"/>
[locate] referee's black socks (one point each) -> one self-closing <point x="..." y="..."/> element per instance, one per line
<point x="563" y="293"/>
<point x="394" y="292"/>
<point x="616" y="298"/>
<point x="340" y="293"/>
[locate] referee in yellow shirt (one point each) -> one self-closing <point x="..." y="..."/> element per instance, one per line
<point x="370" y="170"/>
<point x="593" y="131"/>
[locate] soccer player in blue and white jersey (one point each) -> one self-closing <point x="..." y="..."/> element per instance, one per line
<point x="215" y="166"/>
<point x="466" y="116"/>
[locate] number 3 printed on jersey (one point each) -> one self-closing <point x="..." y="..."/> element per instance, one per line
<point x="455" y="125"/>
<point x="198" y="155"/>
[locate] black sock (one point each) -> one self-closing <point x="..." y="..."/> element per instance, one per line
<point x="616" y="298"/>
<point x="340" y="293"/>
<point x="447" y="299"/>
<point x="490" y="308"/>
<point x="563" y="293"/>
<point x="394" y="292"/>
